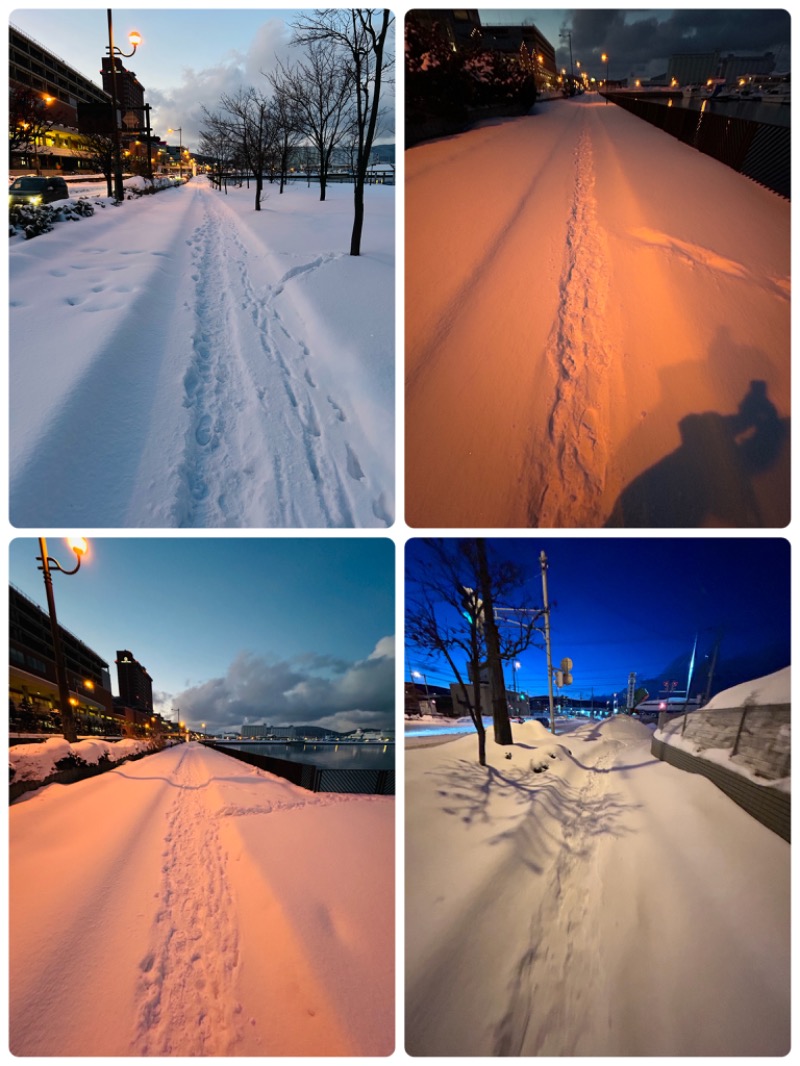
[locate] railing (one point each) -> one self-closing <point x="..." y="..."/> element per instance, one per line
<point x="313" y="778"/>
<point x="757" y="150"/>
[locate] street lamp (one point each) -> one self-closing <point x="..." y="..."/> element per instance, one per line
<point x="179" y="131"/>
<point x="135" y="39"/>
<point x="416" y="673"/>
<point x="79" y="547"/>
<point x="604" y="58"/>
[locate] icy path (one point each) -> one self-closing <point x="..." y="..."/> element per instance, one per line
<point x="170" y="368"/>
<point x="612" y="905"/>
<point x="187" y="904"/>
<point x="597" y="329"/>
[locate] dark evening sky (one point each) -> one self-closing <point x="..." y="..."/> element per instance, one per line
<point x="636" y="604"/>
<point x="641" y="41"/>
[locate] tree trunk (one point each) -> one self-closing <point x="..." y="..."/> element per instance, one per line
<point x="502" y="724"/>
<point x="358" y="215"/>
<point x="259" y="187"/>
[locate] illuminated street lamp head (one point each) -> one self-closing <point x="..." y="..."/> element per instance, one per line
<point x="135" y="39"/>
<point x="604" y="57"/>
<point x="79" y="545"/>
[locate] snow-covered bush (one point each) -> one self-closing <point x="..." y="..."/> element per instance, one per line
<point x="36" y="219"/>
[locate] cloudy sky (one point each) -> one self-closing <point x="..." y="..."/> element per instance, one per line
<point x="641" y="41"/>
<point x="187" y="59"/>
<point x="238" y="629"/>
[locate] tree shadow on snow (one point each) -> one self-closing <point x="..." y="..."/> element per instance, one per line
<point x="710" y="479"/>
<point x="542" y="809"/>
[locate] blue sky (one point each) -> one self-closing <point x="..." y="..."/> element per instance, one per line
<point x="225" y="626"/>
<point x="188" y="56"/>
<point x="637" y="604"/>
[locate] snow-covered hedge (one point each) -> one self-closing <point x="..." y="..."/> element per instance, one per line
<point x="55" y="759"/>
<point x="34" y="219"/>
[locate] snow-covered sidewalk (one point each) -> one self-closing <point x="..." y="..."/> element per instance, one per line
<point x="189" y="905"/>
<point x="597" y="329"/>
<point x="182" y="360"/>
<point x="583" y="898"/>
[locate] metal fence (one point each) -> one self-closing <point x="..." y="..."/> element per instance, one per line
<point x="756" y="149"/>
<point x="314" y="778"/>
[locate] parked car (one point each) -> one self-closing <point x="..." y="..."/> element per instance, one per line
<point x="36" y="190"/>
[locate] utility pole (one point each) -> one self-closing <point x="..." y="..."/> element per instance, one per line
<point x="568" y="35"/>
<point x="543" y="563"/>
<point x="497" y="686"/>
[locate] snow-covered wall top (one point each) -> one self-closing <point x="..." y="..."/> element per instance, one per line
<point x="774" y="689"/>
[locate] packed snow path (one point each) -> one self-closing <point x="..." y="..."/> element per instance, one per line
<point x="609" y="904"/>
<point x="187" y="904"/>
<point x="597" y="329"/>
<point x="171" y="367"/>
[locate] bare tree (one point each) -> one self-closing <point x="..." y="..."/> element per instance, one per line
<point x="252" y="126"/>
<point x="217" y="142"/>
<point x="319" y="88"/>
<point x="448" y="597"/>
<point x="99" y="148"/>
<point x="288" y="129"/>
<point x="361" y="35"/>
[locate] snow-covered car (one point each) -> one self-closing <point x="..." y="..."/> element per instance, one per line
<point x="37" y="190"/>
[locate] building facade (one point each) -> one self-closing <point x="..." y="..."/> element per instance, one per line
<point x="33" y="683"/>
<point x="36" y="70"/>
<point x="135" y="684"/>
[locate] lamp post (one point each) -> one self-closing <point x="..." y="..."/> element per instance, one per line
<point x="179" y="131"/>
<point x="416" y="673"/>
<point x="49" y="564"/>
<point x="604" y="58"/>
<point x="135" y="39"/>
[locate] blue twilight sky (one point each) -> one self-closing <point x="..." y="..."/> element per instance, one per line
<point x="637" y="604"/>
<point x="639" y="42"/>
<point x="188" y="57"/>
<point x="291" y="630"/>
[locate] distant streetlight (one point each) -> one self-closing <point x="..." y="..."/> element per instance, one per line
<point x="604" y="58"/>
<point x="79" y="547"/>
<point x="416" y="673"/>
<point x="135" y="39"/>
<point x="179" y="131"/>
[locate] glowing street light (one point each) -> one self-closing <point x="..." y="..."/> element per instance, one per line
<point x="179" y="131"/>
<point x="135" y="39"/>
<point x="79" y="547"/>
<point x="604" y="58"/>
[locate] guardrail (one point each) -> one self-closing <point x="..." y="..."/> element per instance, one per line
<point x="314" y="778"/>
<point x="756" y="149"/>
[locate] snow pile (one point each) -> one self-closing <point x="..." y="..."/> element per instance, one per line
<point x="539" y="906"/>
<point x="37" y="762"/>
<point x="773" y="690"/>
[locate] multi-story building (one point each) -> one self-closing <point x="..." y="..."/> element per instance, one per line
<point x="33" y="683"/>
<point x="34" y="69"/>
<point x="693" y="68"/>
<point x="69" y="97"/>
<point x="135" y="684"/>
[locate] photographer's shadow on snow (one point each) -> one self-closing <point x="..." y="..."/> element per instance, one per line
<point x="729" y="470"/>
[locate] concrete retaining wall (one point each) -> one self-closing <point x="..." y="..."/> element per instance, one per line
<point x="768" y="805"/>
